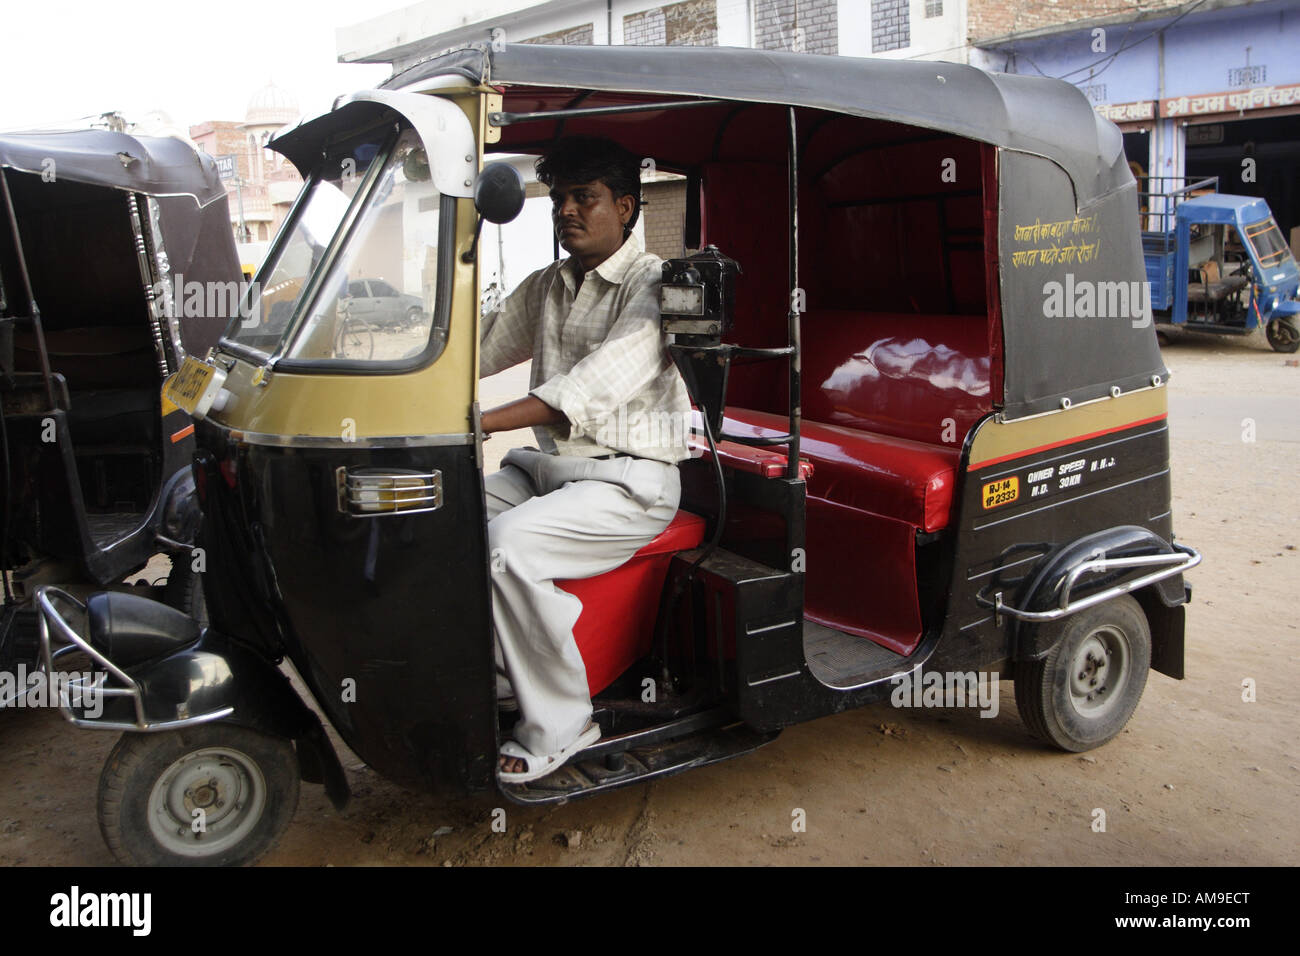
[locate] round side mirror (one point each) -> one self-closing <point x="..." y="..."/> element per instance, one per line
<point x="499" y="193"/>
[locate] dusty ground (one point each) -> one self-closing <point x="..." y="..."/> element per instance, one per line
<point x="1198" y="777"/>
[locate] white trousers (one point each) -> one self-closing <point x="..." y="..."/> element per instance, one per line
<point x="560" y="517"/>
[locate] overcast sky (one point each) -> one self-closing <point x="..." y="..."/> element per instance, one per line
<point x="61" y="61"/>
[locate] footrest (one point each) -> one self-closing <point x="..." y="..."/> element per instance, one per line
<point x="580" y="777"/>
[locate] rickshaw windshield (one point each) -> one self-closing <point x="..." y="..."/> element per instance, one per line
<point x="272" y="299"/>
<point x="1266" y="238"/>
<point x="376" y="306"/>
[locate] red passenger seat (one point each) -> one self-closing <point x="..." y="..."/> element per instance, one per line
<point x="620" y="607"/>
<point x="888" y="400"/>
<point x="896" y="477"/>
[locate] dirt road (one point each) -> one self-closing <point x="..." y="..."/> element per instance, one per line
<point x="1200" y="776"/>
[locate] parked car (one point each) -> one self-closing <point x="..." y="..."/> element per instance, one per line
<point x="377" y="303"/>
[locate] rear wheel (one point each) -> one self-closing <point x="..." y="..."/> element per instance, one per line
<point x="1087" y="687"/>
<point x="1283" y="335"/>
<point x="211" y="795"/>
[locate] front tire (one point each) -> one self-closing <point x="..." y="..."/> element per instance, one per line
<point x="1087" y="687"/>
<point x="1283" y="336"/>
<point x="244" y="782"/>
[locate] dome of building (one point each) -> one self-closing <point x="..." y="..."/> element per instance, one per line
<point x="271" y="106"/>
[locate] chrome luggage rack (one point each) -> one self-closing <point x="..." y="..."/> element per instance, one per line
<point x="1183" y="559"/>
<point x="126" y="686"/>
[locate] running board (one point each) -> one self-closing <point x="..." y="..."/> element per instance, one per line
<point x="604" y="770"/>
<point x="1213" y="327"/>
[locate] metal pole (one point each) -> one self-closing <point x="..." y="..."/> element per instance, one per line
<point x="792" y="317"/>
<point x="239" y="194"/>
<point x="31" y="295"/>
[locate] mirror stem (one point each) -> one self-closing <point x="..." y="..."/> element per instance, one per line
<point x="468" y="255"/>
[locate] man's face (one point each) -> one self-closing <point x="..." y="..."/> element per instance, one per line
<point x="589" y="220"/>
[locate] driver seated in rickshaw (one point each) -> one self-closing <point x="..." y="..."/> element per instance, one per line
<point x="604" y="482"/>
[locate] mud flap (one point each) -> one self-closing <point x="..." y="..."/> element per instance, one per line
<point x="1168" y="630"/>
<point x="318" y="763"/>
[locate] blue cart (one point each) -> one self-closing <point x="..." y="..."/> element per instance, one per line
<point x="1218" y="263"/>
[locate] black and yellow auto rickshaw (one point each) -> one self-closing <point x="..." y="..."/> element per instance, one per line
<point x="910" y="457"/>
<point x="104" y="240"/>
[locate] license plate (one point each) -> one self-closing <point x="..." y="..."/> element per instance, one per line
<point x="194" y="386"/>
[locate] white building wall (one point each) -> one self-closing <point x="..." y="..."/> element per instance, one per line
<point x="935" y="38"/>
<point x="435" y="25"/>
<point x="735" y="23"/>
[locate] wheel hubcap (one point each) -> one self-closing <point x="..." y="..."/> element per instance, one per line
<point x="207" y="801"/>
<point x="1099" y="671"/>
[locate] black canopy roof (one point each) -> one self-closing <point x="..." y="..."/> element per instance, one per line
<point x="1036" y="115"/>
<point x="156" y="166"/>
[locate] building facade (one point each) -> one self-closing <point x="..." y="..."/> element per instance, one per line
<point x="899" y="28"/>
<point x="1198" y="89"/>
<point x="260" y="183"/>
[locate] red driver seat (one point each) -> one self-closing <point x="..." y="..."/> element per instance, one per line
<point x="620" y="607"/>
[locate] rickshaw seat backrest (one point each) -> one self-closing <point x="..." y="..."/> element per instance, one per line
<point x="922" y="378"/>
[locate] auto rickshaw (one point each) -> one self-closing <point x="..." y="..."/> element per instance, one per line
<point x="1218" y="263"/>
<point x="905" y="462"/>
<point x="104" y="239"/>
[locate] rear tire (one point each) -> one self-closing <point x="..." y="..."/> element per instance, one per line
<point x="245" y="782"/>
<point x="1087" y="687"/>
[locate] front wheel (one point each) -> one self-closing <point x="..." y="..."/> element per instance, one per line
<point x="212" y="795"/>
<point x="354" y="340"/>
<point x="1282" y="335"/>
<point x="1085" y="690"/>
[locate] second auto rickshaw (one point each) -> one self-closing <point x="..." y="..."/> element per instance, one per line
<point x="906" y="461"/>
<point x="101" y="233"/>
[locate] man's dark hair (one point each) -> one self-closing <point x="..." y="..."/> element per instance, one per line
<point x="589" y="159"/>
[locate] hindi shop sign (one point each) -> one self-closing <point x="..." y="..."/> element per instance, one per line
<point x="1127" y="112"/>
<point x="1234" y="101"/>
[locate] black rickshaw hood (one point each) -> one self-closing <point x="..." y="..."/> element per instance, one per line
<point x="193" y="234"/>
<point x="1046" y="117"/>
<point x="153" y="165"/>
<point x="1062" y="167"/>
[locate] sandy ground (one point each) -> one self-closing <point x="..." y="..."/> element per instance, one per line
<point x="1198" y="777"/>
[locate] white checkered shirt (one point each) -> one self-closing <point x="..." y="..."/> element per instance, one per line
<point x="598" y="356"/>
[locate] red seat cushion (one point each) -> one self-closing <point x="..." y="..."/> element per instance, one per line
<point x="620" y="607"/>
<point x="908" y="480"/>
